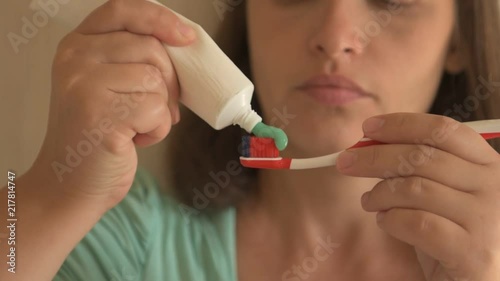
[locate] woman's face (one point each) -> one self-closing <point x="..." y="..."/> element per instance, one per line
<point x="321" y="67"/>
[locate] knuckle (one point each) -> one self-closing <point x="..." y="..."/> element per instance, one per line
<point x="423" y="224"/>
<point x="158" y="106"/>
<point x="65" y="56"/>
<point x="414" y="186"/>
<point x="427" y="155"/>
<point x="158" y="54"/>
<point x="445" y="121"/>
<point x="117" y="142"/>
<point x="162" y="16"/>
<point x="394" y="183"/>
<point x="153" y="79"/>
<point x="72" y="83"/>
<point x="74" y="47"/>
<point x="163" y="110"/>
<point x="115" y="7"/>
<point x="67" y="77"/>
<point x="402" y="120"/>
<point x="375" y="155"/>
<point x="446" y="124"/>
<point x="67" y="49"/>
<point x="66" y="41"/>
<point x="154" y="71"/>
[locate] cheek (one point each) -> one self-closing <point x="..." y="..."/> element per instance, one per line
<point x="409" y="63"/>
<point x="272" y="60"/>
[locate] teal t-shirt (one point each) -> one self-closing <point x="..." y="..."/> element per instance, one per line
<point x="151" y="237"/>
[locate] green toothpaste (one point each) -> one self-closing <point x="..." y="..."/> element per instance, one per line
<point x="264" y="131"/>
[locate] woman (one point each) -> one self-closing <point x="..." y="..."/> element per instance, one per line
<point x="332" y="71"/>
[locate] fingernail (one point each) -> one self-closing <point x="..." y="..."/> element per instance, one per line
<point x="364" y="198"/>
<point x="373" y="124"/>
<point x="346" y="159"/>
<point x="185" y="30"/>
<point x="380" y="215"/>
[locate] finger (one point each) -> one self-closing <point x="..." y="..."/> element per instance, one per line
<point x="433" y="130"/>
<point x="138" y="99"/>
<point x="141" y="100"/>
<point x="147" y="123"/>
<point x="422" y="194"/>
<point x="438" y="237"/>
<point x="139" y="17"/>
<point x="396" y="160"/>
<point x="124" y="47"/>
<point x="145" y="140"/>
<point x="129" y="78"/>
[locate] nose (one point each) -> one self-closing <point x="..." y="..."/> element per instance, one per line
<point x="335" y="34"/>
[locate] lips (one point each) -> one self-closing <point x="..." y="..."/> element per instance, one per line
<point x="333" y="90"/>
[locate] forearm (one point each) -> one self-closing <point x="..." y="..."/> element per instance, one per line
<point x="47" y="228"/>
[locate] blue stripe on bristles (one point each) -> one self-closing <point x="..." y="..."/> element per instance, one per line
<point x="245" y="144"/>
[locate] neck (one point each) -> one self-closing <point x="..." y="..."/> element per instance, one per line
<point x="304" y="206"/>
<point x="295" y="213"/>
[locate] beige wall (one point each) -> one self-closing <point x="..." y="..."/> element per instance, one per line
<point x="25" y="77"/>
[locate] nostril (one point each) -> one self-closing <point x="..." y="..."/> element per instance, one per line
<point x="348" y="50"/>
<point x="345" y="50"/>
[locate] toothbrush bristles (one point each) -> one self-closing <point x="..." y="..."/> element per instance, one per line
<point x="257" y="147"/>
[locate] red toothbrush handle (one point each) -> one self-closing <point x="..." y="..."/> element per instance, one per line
<point x="368" y="142"/>
<point x="490" y="136"/>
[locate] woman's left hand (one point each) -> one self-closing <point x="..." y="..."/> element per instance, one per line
<point x="440" y="192"/>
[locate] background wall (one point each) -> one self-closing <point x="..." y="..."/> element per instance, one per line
<point x="25" y="73"/>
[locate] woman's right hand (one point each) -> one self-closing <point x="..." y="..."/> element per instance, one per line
<point x="113" y="87"/>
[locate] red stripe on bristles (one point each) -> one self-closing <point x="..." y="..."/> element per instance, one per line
<point x="263" y="148"/>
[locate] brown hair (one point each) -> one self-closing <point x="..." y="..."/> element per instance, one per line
<point x="199" y="155"/>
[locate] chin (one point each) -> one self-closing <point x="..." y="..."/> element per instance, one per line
<point x="309" y="137"/>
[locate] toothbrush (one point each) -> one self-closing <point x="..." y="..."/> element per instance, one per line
<point x="261" y="153"/>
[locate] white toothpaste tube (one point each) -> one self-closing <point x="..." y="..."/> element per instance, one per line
<point x="211" y="85"/>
